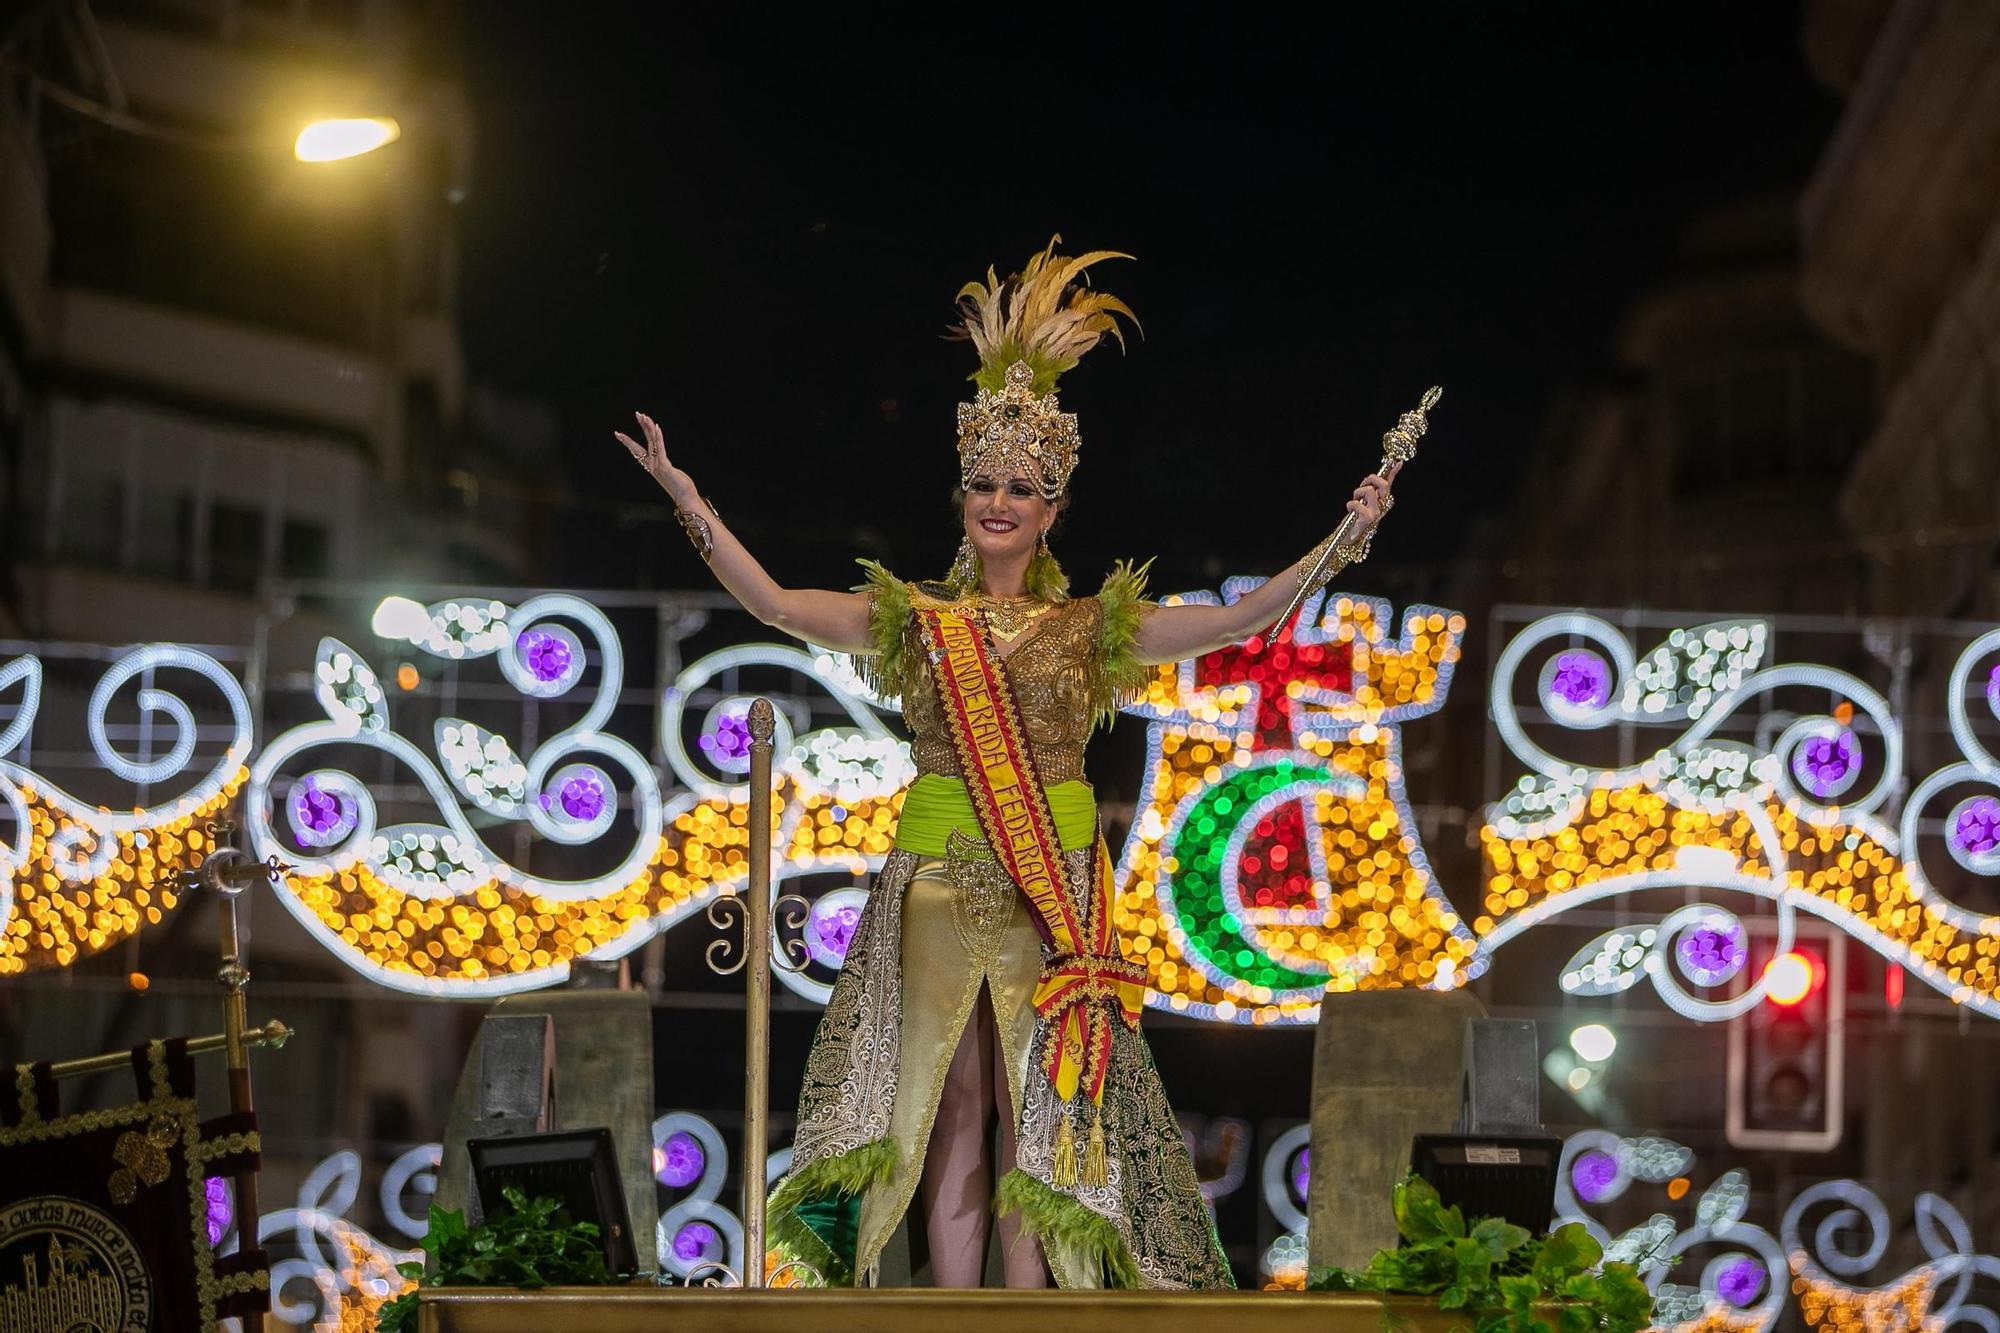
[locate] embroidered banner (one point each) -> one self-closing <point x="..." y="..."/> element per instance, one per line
<point x="105" y="1215"/>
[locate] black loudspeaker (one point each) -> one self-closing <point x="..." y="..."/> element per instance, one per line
<point x="576" y="1166"/>
<point x="1485" y="1175"/>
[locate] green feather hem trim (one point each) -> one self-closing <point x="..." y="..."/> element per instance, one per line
<point x="791" y="1239"/>
<point x="850" y="1173"/>
<point x="881" y="668"/>
<point x="1118" y="676"/>
<point x="830" y="1179"/>
<point x="1057" y="1218"/>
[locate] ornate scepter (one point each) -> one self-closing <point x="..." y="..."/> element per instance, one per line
<point x="1399" y="446"/>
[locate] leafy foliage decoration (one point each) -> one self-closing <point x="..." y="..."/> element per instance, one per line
<point x="531" y="1243"/>
<point x="1502" y="1278"/>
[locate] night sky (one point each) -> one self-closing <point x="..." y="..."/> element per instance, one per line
<point x="754" y="230"/>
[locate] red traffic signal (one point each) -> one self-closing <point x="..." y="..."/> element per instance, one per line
<point x="1786" y="1081"/>
<point x="1791" y="978"/>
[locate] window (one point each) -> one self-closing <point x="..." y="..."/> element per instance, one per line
<point x="163" y="546"/>
<point x="302" y="550"/>
<point x="235" y="546"/>
<point x="92" y="520"/>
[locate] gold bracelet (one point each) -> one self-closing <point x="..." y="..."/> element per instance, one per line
<point x="697" y="528"/>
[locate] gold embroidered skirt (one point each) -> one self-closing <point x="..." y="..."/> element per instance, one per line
<point x="933" y="931"/>
<point x="963" y="925"/>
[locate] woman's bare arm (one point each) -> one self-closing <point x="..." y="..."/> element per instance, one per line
<point x="822" y="616"/>
<point x="1176" y="633"/>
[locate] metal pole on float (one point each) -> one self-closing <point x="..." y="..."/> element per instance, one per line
<point x="755" y="906"/>
<point x="228" y="871"/>
<point x="757" y="1012"/>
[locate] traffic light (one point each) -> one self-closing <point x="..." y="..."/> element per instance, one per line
<point x="1787" y="1056"/>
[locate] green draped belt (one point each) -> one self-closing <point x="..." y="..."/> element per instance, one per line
<point x="936" y="805"/>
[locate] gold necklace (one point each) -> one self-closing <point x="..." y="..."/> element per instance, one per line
<point x="1008" y="618"/>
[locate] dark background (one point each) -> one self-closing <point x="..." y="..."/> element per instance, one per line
<point x="757" y="241"/>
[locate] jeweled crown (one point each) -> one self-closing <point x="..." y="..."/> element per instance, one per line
<point x="1028" y="329"/>
<point x="1018" y="430"/>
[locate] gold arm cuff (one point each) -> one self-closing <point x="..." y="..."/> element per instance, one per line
<point x="697" y="528"/>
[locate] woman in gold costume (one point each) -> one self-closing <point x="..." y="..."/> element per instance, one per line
<point x="984" y="977"/>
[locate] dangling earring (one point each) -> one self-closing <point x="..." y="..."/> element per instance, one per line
<point x="964" y="567"/>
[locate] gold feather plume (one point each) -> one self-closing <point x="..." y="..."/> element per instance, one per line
<point x="1045" y="315"/>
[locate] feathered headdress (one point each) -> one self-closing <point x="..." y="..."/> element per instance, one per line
<point x="1028" y="330"/>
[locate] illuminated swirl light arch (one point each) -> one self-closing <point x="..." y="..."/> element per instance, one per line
<point x="1792" y="818"/>
<point x="1832" y="1236"/>
<point x="77" y="878"/>
<point x="431" y="907"/>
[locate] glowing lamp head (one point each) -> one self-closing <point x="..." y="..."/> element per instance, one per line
<point x="1594" y="1042"/>
<point x="401" y="618"/>
<point x="332" y="140"/>
<point x="1788" y="978"/>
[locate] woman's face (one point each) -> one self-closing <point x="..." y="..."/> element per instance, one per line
<point x="1004" y="515"/>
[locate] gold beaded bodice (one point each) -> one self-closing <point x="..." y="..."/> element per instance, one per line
<point x="1049" y="666"/>
<point x="1070" y="664"/>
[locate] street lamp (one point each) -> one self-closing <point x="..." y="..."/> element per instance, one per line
<point x="332" y="140"/>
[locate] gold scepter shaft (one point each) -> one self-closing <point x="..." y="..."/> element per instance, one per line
<point x="1399" y="446"/>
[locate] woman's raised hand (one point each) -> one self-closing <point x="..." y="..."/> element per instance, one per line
<point x="1372" y="500"/>
<point x="652" y="455"/>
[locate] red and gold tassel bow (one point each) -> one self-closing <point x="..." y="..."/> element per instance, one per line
<point x="1077" y="997"/>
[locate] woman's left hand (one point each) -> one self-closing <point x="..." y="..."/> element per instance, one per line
<point x="1371" y="501"/>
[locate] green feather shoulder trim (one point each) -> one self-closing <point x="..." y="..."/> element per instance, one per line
<point x="1117" y="675"/>
<point x="881" y="667"/>
<point x="1057" y="1218"/>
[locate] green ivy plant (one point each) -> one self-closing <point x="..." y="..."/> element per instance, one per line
<point x="1503" y="1279"/>
<point x="532" y="1243"/>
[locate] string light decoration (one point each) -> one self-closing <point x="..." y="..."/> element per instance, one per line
<point x="434" y="908"/>
<point x="1713" y="814"/>
<point x="339" y="1276"/>
<point x="1743" y="1286"/>
<point x="1825" y="1274"/>
<point x="696" y="1229"/>
<point x="1286" y="1173"/>
<point x="77" y="878"/>
<point x="1275" y="854"/>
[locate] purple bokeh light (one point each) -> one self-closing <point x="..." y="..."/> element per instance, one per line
<point x="1976" y="831"/>
<point x="547" y="656"/>
<point x="1741" y="1283"/>
<point x="1302" y="1174"/>
<point x="319" y="809"/>
<point x="221" y="1209"/>
<point x="1711" y="954"/>
<point x="835" y="928"/>
<point x="582" y="798"/>
<point x="1593" y="1174"/>
<point x="681" y="1160"/>
<point x="1825" y="764"/>
<point x="1993" y="688"/>
<point x="1580" y="680"/>
<point x="696" y="1241"/>
<point x="730" y="741"/>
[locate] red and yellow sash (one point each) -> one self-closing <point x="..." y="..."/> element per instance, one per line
<point x="1085" y="980"/>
